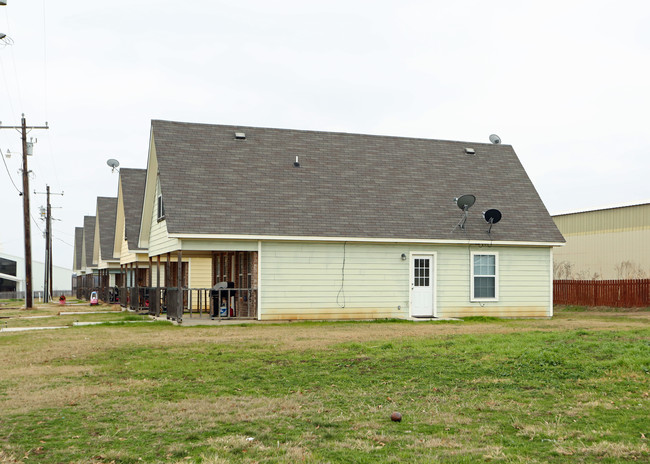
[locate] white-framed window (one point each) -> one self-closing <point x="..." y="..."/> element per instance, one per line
<point x="161" y="208"/>
<point x="485" y="276"/>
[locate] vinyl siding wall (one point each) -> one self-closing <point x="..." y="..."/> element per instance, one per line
<point x="302" y="280"/>
<point x="200" y="270"/>
<point x="159" y="242"/>
<point x="126" y="256"/>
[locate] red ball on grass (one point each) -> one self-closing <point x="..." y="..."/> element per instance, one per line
<point x="396" y="417"/>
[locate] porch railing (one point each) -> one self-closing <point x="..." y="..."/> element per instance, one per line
<point x="231" y="303"/>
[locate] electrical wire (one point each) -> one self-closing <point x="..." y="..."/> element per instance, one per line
<point x="57" y="238"/>
<point x="46" y="100"/>
<point x="4" y="78"/>
<point x="13" y="59"/>
<point x="44" y="63"/>
<point x="342" y="290"/>
<point x="9" y="173"/>
<point x="36" y="223"/>
<point x="2" y="66"/>
<point x="58" y="231"/>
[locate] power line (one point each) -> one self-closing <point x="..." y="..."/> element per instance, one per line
<point x="44" y="62"/>
<point x="58" y="231"/>
<point x="36" y="223"/>
<point x="57" y="238"/>
<point x="4" y="78"/>
<point x="46" y="101"/>
<point x="9" y="173"/>
<point x="13" y="59"/>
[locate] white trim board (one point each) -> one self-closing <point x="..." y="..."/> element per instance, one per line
<point x="297" y="238"/>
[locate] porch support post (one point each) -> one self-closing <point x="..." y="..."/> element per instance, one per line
<point x="168" y="281"/>
<point x="137" y="285"/>
<point x="150" y="272"/>
<point x="180" y="280"/>
<point x="158" y="298"/>
<point x="254" y="257"/>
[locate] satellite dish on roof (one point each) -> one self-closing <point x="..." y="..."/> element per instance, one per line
<point x="495" y="139"/>
<point x="492" y="216"/>
<point x="113" y="164"/>
<point x="464" y="202"/>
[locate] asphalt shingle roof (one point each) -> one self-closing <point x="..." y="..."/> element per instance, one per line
<point x="348" y="185"/>
<point x="133" y="182"/>
<point x="78" y="246"/>
<point x="89" y="239"/>
<point x="107" y="214"/>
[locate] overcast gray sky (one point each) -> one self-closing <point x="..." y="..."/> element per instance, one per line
<point x="565" y="82"/>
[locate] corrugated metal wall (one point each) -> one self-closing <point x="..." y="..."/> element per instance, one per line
<point x="604" y="244"/>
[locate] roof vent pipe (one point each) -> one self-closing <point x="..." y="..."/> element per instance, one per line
<point x="296" y="164"/>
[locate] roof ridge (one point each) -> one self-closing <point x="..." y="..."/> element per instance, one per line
<point x="320" y="132"/>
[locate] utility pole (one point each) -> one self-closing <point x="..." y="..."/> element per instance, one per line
<point x="47" y="285"/>
<point x="29" y="295"/>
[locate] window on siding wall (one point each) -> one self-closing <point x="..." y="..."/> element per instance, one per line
<point x="161" y="208"/>
<point x="485" y="278"/>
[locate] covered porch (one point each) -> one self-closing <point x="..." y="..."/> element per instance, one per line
<point x="219" y="285"/>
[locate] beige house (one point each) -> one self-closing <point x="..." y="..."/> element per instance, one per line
<point x="604" y="244"/>
<point x="84" y="266"/>
<point x="133" y="260"/>
<point x="318" y="225"/>
<point x="108" y="265"/>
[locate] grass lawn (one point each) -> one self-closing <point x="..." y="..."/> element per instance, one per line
<point x="13" y="314"/>
<point x="571" y="389"/>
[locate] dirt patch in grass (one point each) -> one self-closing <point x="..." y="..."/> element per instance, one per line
<point x="244" y="445"/>
<point x="209" y="412"/>
<point x="41" y="393"/>
<point x="606" y="450"/>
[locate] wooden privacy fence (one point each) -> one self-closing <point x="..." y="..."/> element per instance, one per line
<point x="617" y="293"/>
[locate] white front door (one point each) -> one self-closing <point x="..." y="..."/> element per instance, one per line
<point x="422" y="285"/>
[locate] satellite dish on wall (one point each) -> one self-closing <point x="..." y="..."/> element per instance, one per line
<point x="492" y="216"/>
<point x="113" y="164"/>
<point x="464" y="202"/>
<point x="495" y="139"/>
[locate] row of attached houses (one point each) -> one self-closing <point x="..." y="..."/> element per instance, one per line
<point x="276" y="224"/>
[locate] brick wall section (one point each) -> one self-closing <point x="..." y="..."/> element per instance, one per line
<point x="233" y="266"/>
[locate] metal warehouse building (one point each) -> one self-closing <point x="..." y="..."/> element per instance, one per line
<point x="604" y="244"/>
<point x="12" y="275"/>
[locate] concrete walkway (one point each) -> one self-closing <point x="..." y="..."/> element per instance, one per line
<point x="26" y="329"/>
<point x="196" y="321"/>
<point x="75" y="324"/>
<point x="193" y="321"/>
<point x="76" y="313"/>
